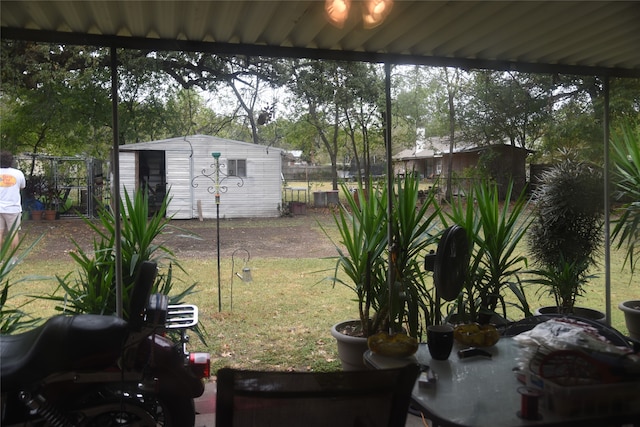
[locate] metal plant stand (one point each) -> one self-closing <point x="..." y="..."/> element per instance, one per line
<point x="217" y="177"/>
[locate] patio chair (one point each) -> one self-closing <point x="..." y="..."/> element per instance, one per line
<point x="354" y="398"/>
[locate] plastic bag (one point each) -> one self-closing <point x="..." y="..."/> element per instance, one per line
<point x="567" y="334"/>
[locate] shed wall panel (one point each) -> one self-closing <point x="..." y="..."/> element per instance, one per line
<point x="178" y="173"/>
<point x="128" y="174"/>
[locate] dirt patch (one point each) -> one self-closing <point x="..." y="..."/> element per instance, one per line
<point x="286" y="237"/>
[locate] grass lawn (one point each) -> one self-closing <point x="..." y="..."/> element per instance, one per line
<point x="281" y="319"/>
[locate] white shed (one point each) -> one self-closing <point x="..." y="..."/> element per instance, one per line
<point x="185" y="167"/>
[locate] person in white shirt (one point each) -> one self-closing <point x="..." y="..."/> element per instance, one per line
<point x="11" y="182"/>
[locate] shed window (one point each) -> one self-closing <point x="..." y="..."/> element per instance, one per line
<point x="237" y="167"/>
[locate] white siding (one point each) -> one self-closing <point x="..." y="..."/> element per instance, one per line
<point x="178" y="165"/>
<point x="128" y="174"/>
<point x="191" y="177"/>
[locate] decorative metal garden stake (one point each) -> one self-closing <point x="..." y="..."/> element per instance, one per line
<point x="216" y="167"/>
<point x="216" y="189"/>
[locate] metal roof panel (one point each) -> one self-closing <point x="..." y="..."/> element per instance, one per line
<point x="585" y="36"/>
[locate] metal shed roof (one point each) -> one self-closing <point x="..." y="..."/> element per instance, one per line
<point x="440" y="146"/>
<point x="185" y="143"/>
<point x="573" y="37"/>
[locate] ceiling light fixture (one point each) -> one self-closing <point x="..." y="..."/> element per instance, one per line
<point x="374" y="12"/>
<point x="337" y="11"/>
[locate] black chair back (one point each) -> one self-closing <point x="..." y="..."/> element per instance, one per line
<point x="334" y="399"/>
<point x="140" y="293"/>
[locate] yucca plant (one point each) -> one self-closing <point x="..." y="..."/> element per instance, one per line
<point x="626" y="159"/>
<point x="413" y="230"/>
<point x="361" y="255"/>
<point x="12" y="318"/>
<point x="626" y="233"/>
<point x="504" y="225"/>
<point x="494" y="230"/>
<point x="566" y="233"/>
<point x="565" y="281"/>
<point x="92" y="289"/>
<point x="364" y="258"/>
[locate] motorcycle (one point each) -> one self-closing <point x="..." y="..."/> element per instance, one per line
<point x="93" y="371"/>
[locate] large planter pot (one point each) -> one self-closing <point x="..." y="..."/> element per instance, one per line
<point x="585" y="313"/>
<point x="350" y="349"/>
<point x="631" y="310"/>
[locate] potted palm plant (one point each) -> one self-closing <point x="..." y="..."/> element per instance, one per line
<point x="566" y="233"/>
<point x="363" y="265"/>
<point x="51" y="199"/>
<point x="626" y="233"/>
<point x="494" y="228"/>
<point x="91" y="288"/>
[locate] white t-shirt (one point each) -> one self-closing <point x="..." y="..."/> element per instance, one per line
<point x="11" y="182"/>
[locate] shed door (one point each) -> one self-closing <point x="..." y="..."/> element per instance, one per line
<point x="152" y="177"/>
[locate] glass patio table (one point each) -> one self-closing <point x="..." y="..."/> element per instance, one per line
<point x="480" y="391"/>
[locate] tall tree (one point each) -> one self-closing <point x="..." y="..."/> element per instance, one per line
<point x="452" y="83"/>
<point x="578" y="114"/>
<point x="147" y="80"/>
<point x="506" y="106"/>
<point x="335" y="96"/>
<point x="420" y="106"/>
<point x="55" y="99"/>
<point x="363" y="96"/>
<point x="248" y="79"/>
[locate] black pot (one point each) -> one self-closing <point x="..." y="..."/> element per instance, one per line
<point x="583" y="312"/>
<point x="631" y="310"/>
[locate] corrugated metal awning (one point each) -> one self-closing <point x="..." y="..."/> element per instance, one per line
<point x="576" y="37"/>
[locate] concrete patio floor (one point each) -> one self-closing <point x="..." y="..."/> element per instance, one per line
<point x="206" y="409"/>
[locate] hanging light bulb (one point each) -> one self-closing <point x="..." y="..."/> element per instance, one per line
<point x="337" y="11"/>
<point x="375" y="11"/>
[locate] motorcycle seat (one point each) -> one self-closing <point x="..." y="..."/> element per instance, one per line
<point x="62" y="343"/>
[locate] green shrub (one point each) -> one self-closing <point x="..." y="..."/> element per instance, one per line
<point x="566" y="233"/>
<point x="12" y="319"/>
<point x="93" y="288"/>
<point x="494" y="230"/>
<point x="626" y="158"/>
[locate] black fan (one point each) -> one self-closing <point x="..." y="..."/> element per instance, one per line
<point x="450" y="263"/>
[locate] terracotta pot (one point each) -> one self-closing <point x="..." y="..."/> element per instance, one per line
<point x="37" y="215"/>
<point x="631" y="310"/>
<point x="50" y="215"/>
<point x="585" y="313"/>
<point x="350" y="349"/>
